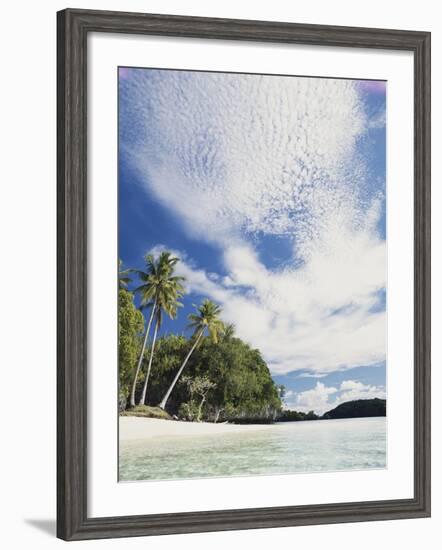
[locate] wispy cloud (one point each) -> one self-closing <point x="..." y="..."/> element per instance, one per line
<point x="378" y="120"/>
<point x="235" y="157"/>
<point x="234" y="153"/>
<point x="312" y="375"/>
<point x="297" y="317"/>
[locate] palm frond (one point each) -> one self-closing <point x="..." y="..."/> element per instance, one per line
<point x="123" y="275"/>
<point x="207" y="318"/>
<point x="160" y="284"/>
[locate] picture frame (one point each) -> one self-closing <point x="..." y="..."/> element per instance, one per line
<point x="73" y="28"/>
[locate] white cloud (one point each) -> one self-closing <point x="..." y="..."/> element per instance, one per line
<point x="323" y="398"/>
<point x="379" y="120"/>
<point x="350" y="385"/>
<point x="241" y="152"/>
<point x="352" y="389"/>
<point x="291" y="318"/>
<point x="316" y="399"/>
<point x="312" y="375"/>
<point x="241" y="156"/>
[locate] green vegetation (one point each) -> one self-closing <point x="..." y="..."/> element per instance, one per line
<point x="198" y="389"/>
<point x="293" y="416"/>
<point x="225" y="379"/>
<point x="147" y="412"/>
<point x="160" y="291"/>
<point x="359" y="408"/>
<point x="205" y="320"/>
<point x="242" y="389"/>
<point x="130" y="327"/>
<point x="123" y="276"/>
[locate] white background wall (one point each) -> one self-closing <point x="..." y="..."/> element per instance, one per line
<point x="27" y="218"/>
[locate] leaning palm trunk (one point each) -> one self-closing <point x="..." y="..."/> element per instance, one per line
<point x="162" y="405"/>
<point x="140" y="360"/>
<point x="146" y="380"/>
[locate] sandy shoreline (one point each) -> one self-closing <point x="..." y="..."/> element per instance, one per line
<point x="132" y="428"/>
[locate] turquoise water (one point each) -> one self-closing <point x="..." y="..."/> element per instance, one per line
<point x="290" y="447"/>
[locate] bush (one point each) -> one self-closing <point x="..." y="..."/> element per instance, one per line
<point x="122" y="402"/>
<point x="147" y="412"/>
<point x="188" y="411"/>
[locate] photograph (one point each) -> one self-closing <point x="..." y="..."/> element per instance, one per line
<point x="252" y="274"/>
<point x="227" y="215"/>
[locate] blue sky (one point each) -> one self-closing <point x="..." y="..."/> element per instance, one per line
<point x="271" y="190"/>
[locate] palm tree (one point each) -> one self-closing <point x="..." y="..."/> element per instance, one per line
<point x="168" y="302"/>
<point x="206" y="318"/>
<point x="160" y="291"/>
<point x="123" y="278"/>
<point x="229" y="332"/>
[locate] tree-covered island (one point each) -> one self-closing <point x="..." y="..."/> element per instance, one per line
<point x="211" y="375"/>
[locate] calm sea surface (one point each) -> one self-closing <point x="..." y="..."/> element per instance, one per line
<point x="290" y="447"/>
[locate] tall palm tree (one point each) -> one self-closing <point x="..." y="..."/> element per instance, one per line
<point x="167" y="301"/>
<point x="160" y="289"/>
<point x="123" y="276"/>
<point x="206" y="318"/>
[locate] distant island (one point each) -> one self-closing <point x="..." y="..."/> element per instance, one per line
<point x="288" y="415"/>
<point x="360" y="408"/>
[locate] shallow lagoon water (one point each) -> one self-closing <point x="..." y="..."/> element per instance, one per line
<point x="286" y="447"/>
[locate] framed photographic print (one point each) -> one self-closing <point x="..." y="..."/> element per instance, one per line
<point x="243" y="274"/>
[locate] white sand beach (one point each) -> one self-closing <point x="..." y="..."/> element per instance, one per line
<point x="132" y="428"/>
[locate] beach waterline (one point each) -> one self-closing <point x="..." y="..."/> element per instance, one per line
<point x="160" y="449"/>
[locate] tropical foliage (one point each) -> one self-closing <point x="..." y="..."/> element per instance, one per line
<point x="159" y="291"/>
<point x="123" y="276"/>
<point x="206" y="319"/>
<point x="130" y="328"/>
<point x="292" y="416"/>
<point x="213" y="375"/>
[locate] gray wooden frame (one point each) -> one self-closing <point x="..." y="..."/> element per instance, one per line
<point x="73" y="28"/>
